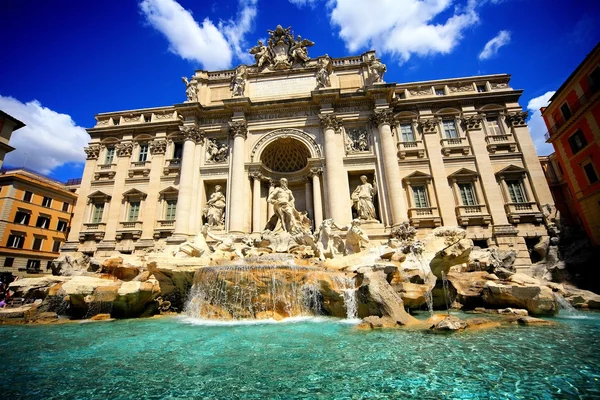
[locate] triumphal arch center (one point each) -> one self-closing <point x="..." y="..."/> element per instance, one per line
<point x="296" y="139"/>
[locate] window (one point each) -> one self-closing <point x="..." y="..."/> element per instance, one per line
<point x="43" y="222"/>
<point x="594" y="80"/>
<point x="147" y="118"/>
<point x="467" y="194"/>
<point x="49" y="265"/>
<point x="116" y="121"/>
<point x="178" y="150"/>
<point x="171" y="210"/>
<point x="27" y="197"/>
<point x="22" y="217"/>
<point x="480" y="88"/>
<point x="15" y="241"/>
<point x="440" y="92"/>
<point x="515" y="191"/>
<point x="420" y="197"/>
<point x="97" y="212"/>
<point x="566" y="111"/>
<point x="577" y="141"/>
<point x="9" y="261"/>
<point x="33" y="265"/>
<point x="493" y="127"/>
<point x="61" y="226"/>
<point x="65" y="207"/>
<point x="56" y="246"/>
<point x="110" y="155"/>
<point x="407" y="133"/>
<point x="143" y="156"/>
<point x="47" y="202"/>
<point x="590" y="172"/>
<point x="450" y="129"/>
<point x="134" y="211"/>
<point x="37" y="243"/>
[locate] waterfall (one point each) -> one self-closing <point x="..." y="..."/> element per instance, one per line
<point x="428" y="294"/>
<point x="565" y="306"/>
<point x="102" y="303"/>
<point x="446" y="291"/>
<point x="253" y="291"/>
<point x="348" y="287"/>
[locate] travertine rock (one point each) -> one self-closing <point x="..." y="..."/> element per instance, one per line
<point x="537" y="300"/>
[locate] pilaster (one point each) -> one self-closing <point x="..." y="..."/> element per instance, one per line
<point x="239" y="131"/>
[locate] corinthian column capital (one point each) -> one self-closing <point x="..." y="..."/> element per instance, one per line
<point x="238" y="128"/>
<point x="192" y="132"/>
<point x="330" y="121"/>
<point x="382" y="117"/>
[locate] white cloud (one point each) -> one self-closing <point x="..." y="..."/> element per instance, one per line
<point x="402" y="27"/>
<point x="537" y="127"/>
<point x="491" y="48"/>
<point x="302" y="3"/>
<point x="48" y="140"/>
<point x="236" y="30"/>
<point x="211" y="45"/>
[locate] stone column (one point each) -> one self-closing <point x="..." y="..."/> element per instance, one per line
<point x="338" y="189"/>
<point x="239" y="131"/>
<point x="541" y="190"/>
<point x="191" y="134"/>
<point x="383" y="119"/>
<point x="308" y="198"/>
<point x="270" y="207"/>
<point x="491" y="191"/>
<point x="317" y="201"/>
<point x="157" y="149"/>
<point x="79" y="211"/>
<point x="256" y="225"/>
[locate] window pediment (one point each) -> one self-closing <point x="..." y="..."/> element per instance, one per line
<point x="99" y="197"/>
<point x="511" y="170"/>
<point x="133" y="194"/>
<point x="464" y="175"/>
<point x="416" y="178"/>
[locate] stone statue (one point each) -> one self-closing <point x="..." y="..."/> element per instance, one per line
<point x="261" y="54"/>
<point x="238" y="82"/>
<point x="216" y="153"/>
<point x="324" y="240"/>
<point x="190" y="89"/>
<point x="195" y="247"/>
<point x="215" y="207"/>
<point x="298" y="49"/>
<point x="284" y="206"/>
<point x="376" y="70"/>
<point x="324" y="70"/>
<point x="362" y="200"/>
<point x="356" y="141"/>
<point x="355" y="238"/>
<point x="362" y="143"/>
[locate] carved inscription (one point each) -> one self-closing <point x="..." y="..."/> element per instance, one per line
<point x="283" y="87"/>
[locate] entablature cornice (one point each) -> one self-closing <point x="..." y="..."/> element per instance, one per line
<point x="472" y="99"/>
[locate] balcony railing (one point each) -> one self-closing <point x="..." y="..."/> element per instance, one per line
<point x="94" y="226"/>
<point x="475" y="214"/>
<point x="172" y="165"/>
<point x="131" y="225"/>
<point x="585" y="98"/>
<point x="413" y="147"/>
<point x="424" y="216"/>
<point x="500" y="141"/>
<point x="455" y="144"/>
<point x="166" y="223"/>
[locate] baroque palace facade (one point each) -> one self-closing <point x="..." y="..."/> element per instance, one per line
<point x="453" y="152"/>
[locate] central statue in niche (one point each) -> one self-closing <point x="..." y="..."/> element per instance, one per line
<point x="362" y="200"/>
<point x="286" y="217"/>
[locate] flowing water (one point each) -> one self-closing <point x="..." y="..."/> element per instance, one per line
<point x="314" y="358"/>
<point x="348" y="285"/>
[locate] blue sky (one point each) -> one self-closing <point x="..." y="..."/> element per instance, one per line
<point x="64" y="61"/>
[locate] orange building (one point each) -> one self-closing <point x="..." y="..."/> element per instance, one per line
<point x="573" y="121"/>
<point x="35" y="217"/>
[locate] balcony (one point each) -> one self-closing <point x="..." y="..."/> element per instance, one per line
<point x="585" y="98"/>
<point x="139" y="168"/>
<point x="172" y="166"/>
<point x="455" y="145"/>
<point x="496" y="142"/>
<point x="413" y="148"/>
<point x="129" y="228"/>
<point x="473" y="215"/>
<point x="523" y="212"/>
<point x="165" y="227"/>
<point x="92" y="229"/>
<point x="105" y="171"/>
<point x="423" y="217"/>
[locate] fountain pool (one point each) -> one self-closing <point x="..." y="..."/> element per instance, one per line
<point x="181" y="357"/>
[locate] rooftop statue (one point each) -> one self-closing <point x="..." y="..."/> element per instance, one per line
<point x="323" y="72"/>
<point x="238" y="82"/>
<point x="191" y="91"/>
<point x="282" y="50"/>
<point x="376" y="70"/>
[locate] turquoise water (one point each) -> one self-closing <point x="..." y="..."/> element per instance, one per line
<point x="177" y="358"/>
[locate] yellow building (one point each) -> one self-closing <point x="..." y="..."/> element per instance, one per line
<point x="35" y="217"/>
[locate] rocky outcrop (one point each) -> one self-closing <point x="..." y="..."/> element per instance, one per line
<point x="450" y="323"/>
<point x="521" y="291"/>
<point x="492" y="260"/>
<point x="34" y="288"/>
<point x="580" y="298"/>
<point x="376" y="297"/>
